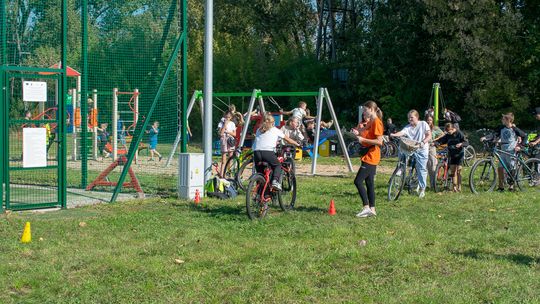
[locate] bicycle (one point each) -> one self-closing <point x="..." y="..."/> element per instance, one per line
<point x="259" y="192"/>
<point x="405" y="172"/>
<point x="524" y="173"/>
<point x="239" y="167"/>
<point x="469" y="155"/>
<point x="442" y="176"/>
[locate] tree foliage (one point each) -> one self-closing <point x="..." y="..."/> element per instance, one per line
<point x="485" y="54"/>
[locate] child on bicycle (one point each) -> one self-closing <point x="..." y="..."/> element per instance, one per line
<point x="264" y="148"/>
<point x="455" y="140"/>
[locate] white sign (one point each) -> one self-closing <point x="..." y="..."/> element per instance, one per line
<point x="34" y="147"/>
<point x="35" y="91"/>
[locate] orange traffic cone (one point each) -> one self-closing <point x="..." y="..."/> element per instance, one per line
<point x="332" y="209"/>
<point x="197" y="199"/>
<point x="27" y="234"/>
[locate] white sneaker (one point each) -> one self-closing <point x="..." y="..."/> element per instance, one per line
<point x="276" y="185"/>
<point x="365" y="213"/>
<point x="417" y="189"/>
<point x="422" y="193"/>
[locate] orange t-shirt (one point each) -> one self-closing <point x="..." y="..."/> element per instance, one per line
<point x="373" y="157"/>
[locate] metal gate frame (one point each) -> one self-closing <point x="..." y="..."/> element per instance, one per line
<point x="5" y="69"/>
<point x="32" y="73"/>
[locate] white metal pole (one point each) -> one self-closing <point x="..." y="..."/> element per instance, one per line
<point x="247" y="120"/>
<point x="315" y="151"/>
<point x="95" y="109"/>
<point x="208" y="66"/>
<point x="115" y="124"/>
<point x="336" y="124"/>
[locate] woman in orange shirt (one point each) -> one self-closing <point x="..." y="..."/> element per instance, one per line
<point x="370" y="136"/>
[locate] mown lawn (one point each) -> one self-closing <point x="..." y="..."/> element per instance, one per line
<point x="446" y="248"/>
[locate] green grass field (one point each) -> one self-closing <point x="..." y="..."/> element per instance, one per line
<point x="446" y="248"/>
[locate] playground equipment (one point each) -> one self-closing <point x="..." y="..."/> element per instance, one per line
<point x="119" y="109"/>
<point x="102" y="179"/>
<point x="257" y="96"/>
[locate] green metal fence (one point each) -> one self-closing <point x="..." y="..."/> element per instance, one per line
<point x="108" y="62"/>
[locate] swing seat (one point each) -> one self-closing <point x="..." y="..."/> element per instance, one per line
<point x="309" y="148"/>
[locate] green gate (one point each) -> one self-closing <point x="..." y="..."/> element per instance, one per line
<point x="32" y="142"/>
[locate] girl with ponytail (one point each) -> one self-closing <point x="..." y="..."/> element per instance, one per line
<point x="370" y="136"/>
<point x="264" y="148"/>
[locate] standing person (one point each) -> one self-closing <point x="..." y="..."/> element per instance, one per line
<point x="153" y="140"/>
<point x="430" y="112"/>
<point x="456" y="141"/>
<point x="227" y="132"/>
<point x="436" y="133"/>
<point x="419" y="131"/>
<point x="510" y="136"/>
<point x="264" y="148"/>
<point x="370" y="136"/>
<point x="452" y="117"/>
<point x="103" y="138"/>
<point x="390" y="127"/>
<point x="121" y="131"/>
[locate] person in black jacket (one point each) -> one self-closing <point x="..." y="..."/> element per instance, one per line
<point x="455" y="140"/>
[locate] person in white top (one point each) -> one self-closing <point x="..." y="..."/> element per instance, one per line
<point x="227" y="132"/>
<point x="264" y="148"/>
<point x="419" y="131"/>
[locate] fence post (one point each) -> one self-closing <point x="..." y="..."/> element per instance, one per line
<point x="115" y="124"/>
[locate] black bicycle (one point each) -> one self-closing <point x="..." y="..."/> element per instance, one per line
<point x="405" y="173"/>
<point x="525" y="174"/>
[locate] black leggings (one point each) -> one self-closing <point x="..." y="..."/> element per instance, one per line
<point x="367" y="173"/>
<point x="271" y="158"/>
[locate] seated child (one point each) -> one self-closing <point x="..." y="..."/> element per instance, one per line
<point x="292" y="130"/>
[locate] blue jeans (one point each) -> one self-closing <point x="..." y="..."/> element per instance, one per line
<point x="421" y="156"/>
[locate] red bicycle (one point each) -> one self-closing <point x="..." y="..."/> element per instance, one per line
<point x="260" y="194"/>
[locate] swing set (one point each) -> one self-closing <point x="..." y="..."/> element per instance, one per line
<point x="257" y="96"/>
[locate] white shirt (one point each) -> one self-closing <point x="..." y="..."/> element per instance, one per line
<point x="230" y="127"/>
<point x="267" y="141"/>
<point x="294" y="134"/>
<point x="299" y="113"/>
<point x="417" y="133"/>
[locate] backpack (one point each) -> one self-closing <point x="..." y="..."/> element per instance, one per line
<point x="220" y="188"/>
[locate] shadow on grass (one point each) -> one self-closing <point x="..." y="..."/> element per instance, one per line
<point x="516" y="258"/>
<point x="310" y="209"/>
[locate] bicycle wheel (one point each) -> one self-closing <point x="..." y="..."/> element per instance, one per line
<point x="385" y="149"/>
<point x="483" y="176"/>
<point x="470" y="156"/>
<point x="246" y="170"/>
<point x="255" y="205"/>
<point x="412" y="183"/>
<point x="528" y="175"/>
<point x="396" y="183"/>
<point x="394" y="148"/>
<point x="441" y="177"/>
<point x="287" y="195"/>
<point x="231" y="167"/>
